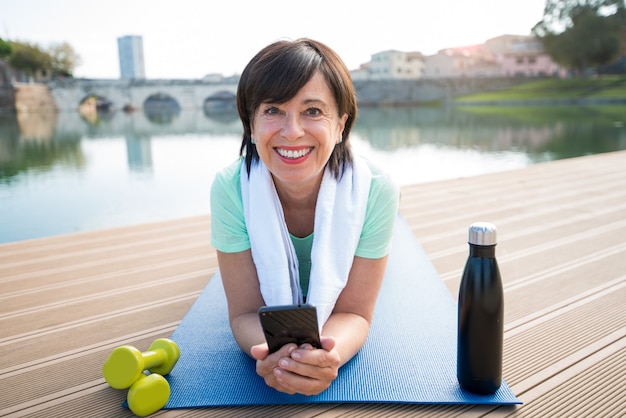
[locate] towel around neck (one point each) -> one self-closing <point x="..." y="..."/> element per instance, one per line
<point x="339" y="219"/>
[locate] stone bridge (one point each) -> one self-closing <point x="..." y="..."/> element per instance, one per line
<point x="118" y="94"/>
<point x="174" y="95"/>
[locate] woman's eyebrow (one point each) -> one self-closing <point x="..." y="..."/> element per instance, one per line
<point x="314" y="101"/>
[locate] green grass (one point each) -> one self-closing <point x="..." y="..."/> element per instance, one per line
<point x="604" y="87"/>
<point x="537" y="114"/>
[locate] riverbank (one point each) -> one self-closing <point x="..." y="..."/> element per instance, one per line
<point x="597" y="91"/>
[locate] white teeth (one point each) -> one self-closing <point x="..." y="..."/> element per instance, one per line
<point x="293" y="154"/>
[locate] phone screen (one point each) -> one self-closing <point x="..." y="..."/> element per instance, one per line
<point x="289" y="324"/>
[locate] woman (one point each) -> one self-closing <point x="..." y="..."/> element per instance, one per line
<point x="298" y="217"/>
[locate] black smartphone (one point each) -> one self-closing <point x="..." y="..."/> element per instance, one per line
<point x="290" y="324"/>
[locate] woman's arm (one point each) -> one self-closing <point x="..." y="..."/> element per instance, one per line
<point x="350" y="321"/>
<point x="243" y="294"/>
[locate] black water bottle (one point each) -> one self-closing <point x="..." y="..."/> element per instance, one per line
<point x="481" y="314"/>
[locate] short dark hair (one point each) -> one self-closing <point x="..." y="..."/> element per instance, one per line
<point x="278" y="72"/>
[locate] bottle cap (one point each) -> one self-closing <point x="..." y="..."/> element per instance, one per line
<point x="482" y="233"/>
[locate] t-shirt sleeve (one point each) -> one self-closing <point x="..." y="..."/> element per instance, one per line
<point x="228" y="227"/>
<point x="380" y="216"/>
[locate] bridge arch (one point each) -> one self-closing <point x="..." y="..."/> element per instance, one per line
<point x="161" y="108"/>
<point x="219" y="103"/>
<point x="94" y="107"/>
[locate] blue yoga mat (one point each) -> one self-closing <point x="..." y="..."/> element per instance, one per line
<point x="409" y="357"/>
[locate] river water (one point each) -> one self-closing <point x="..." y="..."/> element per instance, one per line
<point x="62" y="173"/>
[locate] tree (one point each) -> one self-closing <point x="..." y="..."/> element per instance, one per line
<point x="582" y="34"/>
<point x="59" y="60"/>
<point x="30" y="59"/>
<point x="5" y="48"/>
<point x="63" y="59"/>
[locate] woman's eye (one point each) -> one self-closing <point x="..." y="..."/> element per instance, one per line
<point x="272" y="110"/>
<point x="313" y="111"/>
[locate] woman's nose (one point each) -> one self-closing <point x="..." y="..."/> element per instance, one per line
<point x="292" y="127"/>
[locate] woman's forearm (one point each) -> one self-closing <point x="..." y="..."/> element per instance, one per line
<point x="247" y="331"/>
<point x="349" y="331"/>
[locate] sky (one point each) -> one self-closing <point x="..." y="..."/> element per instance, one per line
<point x="188" y="39"/>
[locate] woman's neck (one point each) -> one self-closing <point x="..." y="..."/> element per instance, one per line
<point x="298" y="203"/>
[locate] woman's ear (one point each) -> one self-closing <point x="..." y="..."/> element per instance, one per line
<point x="342" y="125"/>
<point x="342" y="121"/>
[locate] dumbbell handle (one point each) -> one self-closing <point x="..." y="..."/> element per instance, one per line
<point x="153" y="358"/>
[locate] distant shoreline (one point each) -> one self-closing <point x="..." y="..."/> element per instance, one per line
<point x="545" y="102"/>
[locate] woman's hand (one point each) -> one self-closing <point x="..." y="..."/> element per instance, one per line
<point x="303" y="369"/>
<point x="266" y="363"/>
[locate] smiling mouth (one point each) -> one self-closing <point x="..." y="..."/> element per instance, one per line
<point x="293" y="154"/>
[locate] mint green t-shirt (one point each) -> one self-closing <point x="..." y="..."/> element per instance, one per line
<point x="228" y="226"/>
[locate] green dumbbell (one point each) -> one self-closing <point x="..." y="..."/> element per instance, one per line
<point x="126" y="364"/>
<point x="148" y="394"/>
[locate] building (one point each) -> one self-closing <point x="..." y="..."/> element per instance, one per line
<point x="468" y="61"/>
<point x="395" y="65"/>
<point x="360" y="73"/>
<point x="503" y="56"/>
<point x="522" y="56"/>
<point x="130" y="49"/>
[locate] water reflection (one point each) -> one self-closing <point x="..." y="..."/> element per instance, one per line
<point x="37" y="126"/>
<point x="562" y="132"/>
<point x="36" y="141"/>
<point x="62" y="173"/>
<point x="139" y="153"/>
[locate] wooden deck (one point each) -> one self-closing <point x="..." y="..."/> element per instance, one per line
<point x="66" y="301"/>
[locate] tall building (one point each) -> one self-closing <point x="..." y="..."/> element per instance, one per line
<point x="130" y="49"/>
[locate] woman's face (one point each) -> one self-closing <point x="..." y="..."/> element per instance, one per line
<point x="295" y="139"/>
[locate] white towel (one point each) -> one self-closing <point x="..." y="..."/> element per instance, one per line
<point x="339" y="218"/>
